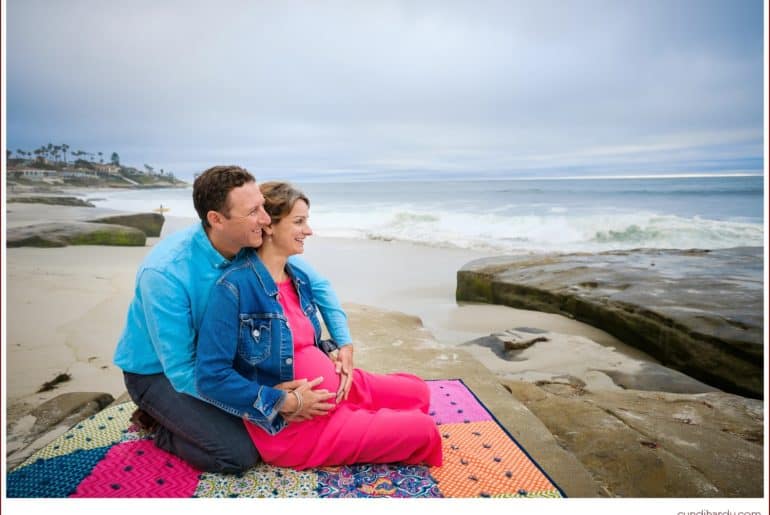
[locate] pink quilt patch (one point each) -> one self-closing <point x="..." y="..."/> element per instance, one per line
<point x="451" y="403"/>
<point x="139" y="469"/>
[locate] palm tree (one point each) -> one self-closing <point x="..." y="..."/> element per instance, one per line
<point x="101" y="159"/>
<point x="65" y="148"/>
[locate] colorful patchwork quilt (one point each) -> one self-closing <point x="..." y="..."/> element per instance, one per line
<point x="107" y="456"/>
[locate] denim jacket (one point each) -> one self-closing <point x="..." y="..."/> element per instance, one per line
<point x="245" y="345"/>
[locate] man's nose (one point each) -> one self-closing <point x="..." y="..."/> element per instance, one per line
<point x="264" y="218"/>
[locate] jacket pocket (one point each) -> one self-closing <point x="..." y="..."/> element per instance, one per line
<point x="254" y="339"/>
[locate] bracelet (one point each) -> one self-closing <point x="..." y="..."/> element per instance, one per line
<point x="299" y="403"/>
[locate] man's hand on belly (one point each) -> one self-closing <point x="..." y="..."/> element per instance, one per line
<point x="343" y="364"/>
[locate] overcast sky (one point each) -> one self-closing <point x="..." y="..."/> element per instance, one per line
<point x="393" y="89"/>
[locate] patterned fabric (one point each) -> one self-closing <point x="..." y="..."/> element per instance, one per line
<point x="261" y="481"/>
<point x="137" y="469"/>
<point x="106" y="456"/>
<point x="53" y="477"/>
<point x="378" y="480"/>
<point x="453" y="402"/>
<point x="480" y="462"/>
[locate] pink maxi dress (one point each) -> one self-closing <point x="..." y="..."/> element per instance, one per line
<point x="384" y="419"/>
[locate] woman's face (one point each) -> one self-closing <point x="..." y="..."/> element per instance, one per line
<point x="288" y="235"/>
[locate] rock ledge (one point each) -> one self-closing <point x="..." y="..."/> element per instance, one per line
<point x="699" y="312"/>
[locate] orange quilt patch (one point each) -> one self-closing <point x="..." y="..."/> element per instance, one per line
<point x="481" y="460"/>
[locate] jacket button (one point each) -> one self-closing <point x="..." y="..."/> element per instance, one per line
<point x="255" y="333"/>
<point x="288" y="361"/>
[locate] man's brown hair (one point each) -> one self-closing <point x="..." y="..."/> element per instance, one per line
<point x="210" y="189"/>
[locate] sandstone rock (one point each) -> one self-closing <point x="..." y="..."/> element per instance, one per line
<point x="506" y="344"/>
<point x="149" y="223"/>
<point x="645" y="444"/>
<point x="555" y="356"/>
<point x="74" y="233"/>
<point x="49" y="420"/>
<point x="654" y="377"/>
<point x="123" y="397"/>
<point x="65" y="405"/>
<point x="517" y="340"/>
<point x="700" y="312"/>
<point x="52" y="200"/>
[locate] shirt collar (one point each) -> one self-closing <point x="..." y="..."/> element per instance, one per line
<point x="212" y="255"/>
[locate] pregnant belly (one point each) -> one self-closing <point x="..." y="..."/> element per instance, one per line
<point x="310" y="362"/>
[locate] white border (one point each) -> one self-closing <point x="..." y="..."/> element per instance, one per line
<point x="450" y="506"/>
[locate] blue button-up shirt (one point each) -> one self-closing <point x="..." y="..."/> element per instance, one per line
<point x="171" y="294"/>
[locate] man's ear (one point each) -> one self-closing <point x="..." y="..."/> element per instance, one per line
<point x="214" y="218"/>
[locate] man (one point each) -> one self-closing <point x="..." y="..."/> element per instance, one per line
<point x="157" y="348"/>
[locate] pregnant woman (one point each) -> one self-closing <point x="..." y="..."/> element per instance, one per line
<point x="259" y="357"/>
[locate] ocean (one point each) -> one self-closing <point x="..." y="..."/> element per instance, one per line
<point x="519" y="216"/>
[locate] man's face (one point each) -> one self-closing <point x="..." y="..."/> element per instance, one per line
<point x="242" y="227"/>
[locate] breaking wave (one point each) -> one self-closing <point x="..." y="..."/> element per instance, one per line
<point x="496" y="217"/>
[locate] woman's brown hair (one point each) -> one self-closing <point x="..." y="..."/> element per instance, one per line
<point x="280" y="198"/>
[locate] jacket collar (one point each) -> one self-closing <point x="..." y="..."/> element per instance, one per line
<point x="264" y="277"/>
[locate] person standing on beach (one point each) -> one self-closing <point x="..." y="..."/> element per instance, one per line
<point x="157" y="348"/>
<point x="260" y="333"/>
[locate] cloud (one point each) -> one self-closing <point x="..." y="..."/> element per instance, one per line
<point x="374" y="86"/>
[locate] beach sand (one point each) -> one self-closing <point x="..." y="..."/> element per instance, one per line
<point x="66" y="308"/>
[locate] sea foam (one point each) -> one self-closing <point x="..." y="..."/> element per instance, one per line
<point x="550" y="216"/>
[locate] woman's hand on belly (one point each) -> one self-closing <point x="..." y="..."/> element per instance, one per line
<point x="303" y="401"/>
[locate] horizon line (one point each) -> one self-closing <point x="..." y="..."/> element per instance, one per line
<point x="532" y="178"/>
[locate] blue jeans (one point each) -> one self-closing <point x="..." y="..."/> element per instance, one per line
<point x="201" y="434"/>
